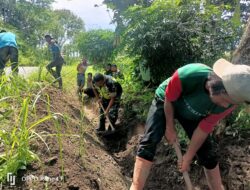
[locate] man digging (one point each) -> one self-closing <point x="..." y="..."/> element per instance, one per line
<point x="108" y="92"/>
<point x="198" y="97"/>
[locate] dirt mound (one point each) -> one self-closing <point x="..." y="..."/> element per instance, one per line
<point x="80" y="159"/>
<point x="234" y="164"/>
<point x="73" y="157"/>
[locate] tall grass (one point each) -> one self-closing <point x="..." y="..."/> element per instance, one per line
<point x="69" y="74"/>
<point x="16" y="129"/>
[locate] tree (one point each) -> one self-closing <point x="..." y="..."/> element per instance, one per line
<point x="32" y="19"/>
<point x="170" y="33"/>
<point x="119" y="7"/>
<point x="96" y="45"/>
<point x="242" y="53"/>
<point x="65" y="25"/>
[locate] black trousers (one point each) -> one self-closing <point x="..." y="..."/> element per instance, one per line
<point x="155" y="130"/>
<point x="55" y="73"/>
<point x="89" y="92"/>
<point x="113" y="112"/>
<point x="9" y="53"/>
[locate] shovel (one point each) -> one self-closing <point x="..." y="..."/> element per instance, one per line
<point x="185" y="174"/>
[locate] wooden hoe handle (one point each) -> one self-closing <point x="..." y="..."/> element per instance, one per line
<point x="185" y="174"/>
<point x="107" y="117"/>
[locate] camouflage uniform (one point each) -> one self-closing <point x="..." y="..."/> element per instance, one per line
<point x="111" y="87"/>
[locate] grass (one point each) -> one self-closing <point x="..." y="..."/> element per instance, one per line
<point x="19" y="119"/>
<point x="16" y="130"/>
<point x="18" y="98"/>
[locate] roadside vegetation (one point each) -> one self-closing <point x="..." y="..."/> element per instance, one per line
<point x="158" y="36"/>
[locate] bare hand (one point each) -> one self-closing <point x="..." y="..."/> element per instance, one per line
<point x="106" y="112"/>
<point x="99" y="101"/>
<point x="184" y="164"/>
<point x="170" y="135"/>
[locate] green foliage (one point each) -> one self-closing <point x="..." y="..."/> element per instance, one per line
<point x="16" y="130"/>
<point x="136" y="98"/>
<point x="121" y="6"/>
<point x="31" y="20"/>
<point x="241" y="117"/>
<point x="167" y="35"/>
<point x="65" y="26"/>
<point x="96" y="45"/>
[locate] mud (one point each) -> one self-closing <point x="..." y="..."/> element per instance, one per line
<point x="80" y="159"/>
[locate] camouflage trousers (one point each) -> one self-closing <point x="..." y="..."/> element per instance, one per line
<point x="113" y="112"/>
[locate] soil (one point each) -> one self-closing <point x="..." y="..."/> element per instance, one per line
<point x="84" y="160"/>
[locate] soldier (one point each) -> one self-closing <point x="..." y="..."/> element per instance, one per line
<point x="109" y="95"/>
<point x="115" y="72"/>
<point x="108" y="70"/>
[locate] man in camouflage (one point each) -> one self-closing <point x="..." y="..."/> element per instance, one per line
<point x="108" y="92"/>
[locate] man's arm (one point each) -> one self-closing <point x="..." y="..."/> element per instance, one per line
<point x="170" y="128"/>
<point x="200" y="134"/>
<point x="198" y="138"/>
<point x="95" y="92"/>
<point x="111" y="102"/>
<point x="172" y="93"/>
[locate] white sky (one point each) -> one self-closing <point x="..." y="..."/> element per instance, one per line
<point x="93" y="17"/>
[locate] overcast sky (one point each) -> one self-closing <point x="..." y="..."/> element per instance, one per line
<point x="93" y="17"/>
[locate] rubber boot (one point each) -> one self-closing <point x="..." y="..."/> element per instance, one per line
<point x="60" y="83"/>
<point x="141" y="172"/>
<point x="101" y="126"/>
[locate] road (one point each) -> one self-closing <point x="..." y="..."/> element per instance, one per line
<point x="23" y="71"/>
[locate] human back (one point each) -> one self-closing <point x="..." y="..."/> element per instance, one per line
<point x="7" y="39"/>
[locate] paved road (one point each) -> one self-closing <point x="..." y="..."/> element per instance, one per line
<point x="23" y="71"/>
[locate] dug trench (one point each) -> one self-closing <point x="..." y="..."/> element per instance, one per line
<point x="78" y="158"/>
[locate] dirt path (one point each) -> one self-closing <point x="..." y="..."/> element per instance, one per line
<point x="91" y="162"/>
